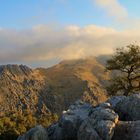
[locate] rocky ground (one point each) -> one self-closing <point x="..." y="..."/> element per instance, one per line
<point x="116" y="119"/>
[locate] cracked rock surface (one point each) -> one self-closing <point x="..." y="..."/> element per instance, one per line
<point x="116" y="119"/>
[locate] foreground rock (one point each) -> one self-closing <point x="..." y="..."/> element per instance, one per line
<point x="99" y="125"/>
<point x="127" y="130"/>
<point x="128" y="108"/>
<point x="116" y="119"/>
<point x="68" y="126"/>
<point x="37" y="133"/>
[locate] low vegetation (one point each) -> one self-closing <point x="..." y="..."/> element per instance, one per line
<point x="14" y="124"/>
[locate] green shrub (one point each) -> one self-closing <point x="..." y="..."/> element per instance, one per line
<point x="14" y="124"/>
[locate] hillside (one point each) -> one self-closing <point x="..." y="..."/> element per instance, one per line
<point x="53" y="89"/>
<point x="19" y="88"/>
<point x="74" y="79"/>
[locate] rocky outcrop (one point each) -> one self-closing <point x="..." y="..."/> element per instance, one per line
<point x="128" y="108"/>
<point x="68" y="126"/>
<point x="37" y="133"/>
<point x="103" y="122"/>
<point x="15" y="69"/>
<point x="99" y="125"/>
<point x="127" y="130"/>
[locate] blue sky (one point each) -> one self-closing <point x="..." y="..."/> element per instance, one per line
<point x="44" y="32"/>
<point x="28" y="13"/>
<point x="132" y="6"/>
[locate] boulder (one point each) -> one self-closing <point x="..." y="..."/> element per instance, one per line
<point x="104" y="114"/>
<point x="99" y="125"/>
<point x="105" y="129"/>
<point x="68" y="125"/>
<point x="128" y="108"/>
<point x="87" y="131"/>
<point x="37" y="133"/>
<point x="113" y="101"/>
<point x="127" y="130"/>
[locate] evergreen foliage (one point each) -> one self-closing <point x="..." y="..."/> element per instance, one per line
<point x="14" y="124"/>
<point x="126" y="64"/>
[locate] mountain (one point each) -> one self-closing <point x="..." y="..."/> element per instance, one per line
<point x="19" y="88"/>
<point x="74" y="79"/>
<point x="51" y="89"/>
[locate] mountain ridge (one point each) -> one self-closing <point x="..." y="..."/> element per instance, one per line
<point x="53" y="89"/>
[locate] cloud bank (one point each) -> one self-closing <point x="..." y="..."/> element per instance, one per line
<point x="44" y="43"/>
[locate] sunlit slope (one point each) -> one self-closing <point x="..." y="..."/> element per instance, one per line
<point x="74" y="79"/>
<point x="53" y="89"/>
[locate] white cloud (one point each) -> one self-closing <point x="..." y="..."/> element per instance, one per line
<point x="113" y="9"/>
<point x="119" y="14"/>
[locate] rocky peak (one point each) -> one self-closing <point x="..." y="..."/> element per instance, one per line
<point x="14" y="69"/>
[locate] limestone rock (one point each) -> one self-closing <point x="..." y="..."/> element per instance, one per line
<point x="129" y="108"/>
<point x="104" y="114"/>
<point x="105" y="129"/>
<point x="107" y="121"/>
<point x="87" y="131"/>
<point x="37" y="133"/>
<point x="100" y="124"/>
<point x="115" y="100"/>
<point x="127" y="130"/>
<point x="68" y="126"/>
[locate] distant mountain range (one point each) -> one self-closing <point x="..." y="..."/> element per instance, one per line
<point x="52" y="89"/>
